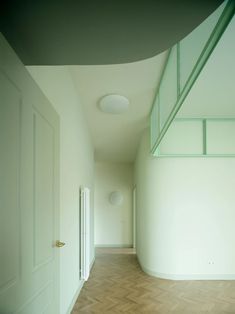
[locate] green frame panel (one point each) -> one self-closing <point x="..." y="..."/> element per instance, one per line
<point x="168" y="88"/>
<point x="216" y="34"/>
<point x="154" y="122"/>
<point x="204" y="126"/>
<point x="191" y="46"/>
<point x="159" y="149"/>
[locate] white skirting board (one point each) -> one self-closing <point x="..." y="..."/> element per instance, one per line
<point x="114" y="245"/>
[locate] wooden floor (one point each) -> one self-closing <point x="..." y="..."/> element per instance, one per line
<point x="118" y="285"/>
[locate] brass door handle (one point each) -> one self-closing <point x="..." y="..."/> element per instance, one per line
<point x="59" y="244"/>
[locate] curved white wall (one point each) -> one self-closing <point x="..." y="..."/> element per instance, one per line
<point x="185" y="215"/>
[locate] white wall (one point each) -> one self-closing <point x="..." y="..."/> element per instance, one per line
<point x="76" y="166"/>
<point x="185" y="215"/>
<point x="113" y="224"/>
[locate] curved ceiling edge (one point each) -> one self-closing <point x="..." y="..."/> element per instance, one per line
<point x="98" y="32"/>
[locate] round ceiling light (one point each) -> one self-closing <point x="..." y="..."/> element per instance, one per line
<point x="115" y="104"/>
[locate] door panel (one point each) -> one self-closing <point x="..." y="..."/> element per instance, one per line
<point x="44" y="256"/>
<point x="43" y="191"/>
<point x="40" y="303"/>
<point x="10" y="102"/>
<point x="29" y="200"/>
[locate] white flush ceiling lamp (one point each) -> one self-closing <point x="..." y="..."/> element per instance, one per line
<point x="113" y="103"/>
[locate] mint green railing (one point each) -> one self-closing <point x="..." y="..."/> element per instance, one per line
<point x="185" y="61"/>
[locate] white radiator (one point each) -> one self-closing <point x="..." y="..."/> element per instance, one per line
<point x="84" y="233"/>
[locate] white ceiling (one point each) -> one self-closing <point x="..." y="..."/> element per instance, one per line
<point x="115" y="137"/>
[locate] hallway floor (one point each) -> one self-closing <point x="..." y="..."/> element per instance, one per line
<point x="118" y="285"/>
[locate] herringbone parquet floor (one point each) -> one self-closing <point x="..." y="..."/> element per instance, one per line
<point x="118" y="285"/>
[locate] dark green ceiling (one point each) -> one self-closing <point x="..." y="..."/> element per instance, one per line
<point x="62" y="32"/>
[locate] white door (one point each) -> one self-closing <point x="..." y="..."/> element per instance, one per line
<point x="28" y="203"/>
<point x="85" y="234"/>
<point x="134" y="217"/>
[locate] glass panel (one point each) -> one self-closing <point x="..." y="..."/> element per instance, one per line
<point x="154" y="123"/>
<point x="168" y="88"/>
<point x="183" y="137"/>
<point x="220" y="137"/>
<point x="192" y="46"/>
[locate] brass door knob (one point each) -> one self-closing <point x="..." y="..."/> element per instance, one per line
<point x="60" y="244"/>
